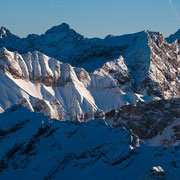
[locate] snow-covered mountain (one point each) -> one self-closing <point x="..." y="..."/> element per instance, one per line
<point x="145" y="54"/>
<point x="150" y="70"/>
<point x="33" y="146"/>
<point x="130" y="81"/>
<point x="63" y="43"/>
<point x="46" y="85"/>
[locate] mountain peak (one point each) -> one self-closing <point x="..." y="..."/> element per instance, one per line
<point x="6" y="34"/>
<point x="3" y="31"/>
<point x="173" y="37"/>
<point x="60" y="28"/>
<point x="64" y="25"/>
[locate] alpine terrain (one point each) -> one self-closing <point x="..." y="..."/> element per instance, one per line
<point x="75" y="107"/>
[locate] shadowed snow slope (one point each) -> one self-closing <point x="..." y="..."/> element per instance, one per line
<point x="35" y="146"/>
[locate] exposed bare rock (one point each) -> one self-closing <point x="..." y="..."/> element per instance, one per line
<point x="157" y="121"/>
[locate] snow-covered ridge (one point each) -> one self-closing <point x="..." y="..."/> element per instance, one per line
<point x="152" y="62"/>
<point x="35" y="146"/>
<point x="150" y="70"/>
<point x="65" y="44"/>
<point x="57" y="89"/>
<point x="130" y="81"/>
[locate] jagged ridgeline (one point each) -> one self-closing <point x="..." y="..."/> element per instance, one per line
<point x="141" y="67"/>
<point x="117" y="70"/>
<point x="130" y="82"/>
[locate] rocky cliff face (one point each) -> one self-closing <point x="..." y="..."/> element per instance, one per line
<point x="164" y="67"/>
<point x="156" y="122"/>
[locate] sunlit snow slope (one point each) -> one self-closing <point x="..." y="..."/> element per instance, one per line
<point x="135" y="67"/>
<point x="46" y="85"/>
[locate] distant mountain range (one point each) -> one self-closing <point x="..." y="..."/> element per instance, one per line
<point x="65" y="44"/>
<point x="130" y="81"/>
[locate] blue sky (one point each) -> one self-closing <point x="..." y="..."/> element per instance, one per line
<point x="92" y="18"/>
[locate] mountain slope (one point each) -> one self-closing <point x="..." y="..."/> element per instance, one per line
<point x="156" y="122"/>
<point x="46" y="85"/>
<point x="35" y="146"/>
<point x="152" y="62"/>
<point x="130" y="81"/>
<point x="63" y="43"/>
<point x="173" y="37"/>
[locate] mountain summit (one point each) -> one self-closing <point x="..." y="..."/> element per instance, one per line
<point x="60" y="28"/>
